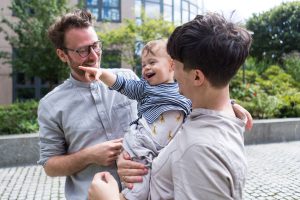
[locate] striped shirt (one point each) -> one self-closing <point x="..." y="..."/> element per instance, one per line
<point x="153" y="100"/>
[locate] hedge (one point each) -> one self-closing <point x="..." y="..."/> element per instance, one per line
<point x="19" y="118"/>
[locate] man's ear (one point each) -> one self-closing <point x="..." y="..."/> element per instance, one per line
<point x="172" y="65"/>
<point x="62" y="55"/>
<point x="198" y="77"/>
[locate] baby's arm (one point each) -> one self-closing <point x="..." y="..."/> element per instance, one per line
<point x="97" y="74"/>
<point x="133" y="89"/>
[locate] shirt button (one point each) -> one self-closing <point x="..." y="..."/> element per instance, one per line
<point x="93" y="86"/>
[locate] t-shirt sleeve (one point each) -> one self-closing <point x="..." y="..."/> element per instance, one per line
<point x="52" y="141"/>
<point x="201" y="174"/>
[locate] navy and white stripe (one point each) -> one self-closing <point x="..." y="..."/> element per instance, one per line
<point x="153" y="100"/>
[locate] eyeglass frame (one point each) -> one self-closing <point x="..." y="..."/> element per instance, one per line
<point x="87" y="46"/>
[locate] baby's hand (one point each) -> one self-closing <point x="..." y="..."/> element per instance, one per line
<point x="91" y="73"/>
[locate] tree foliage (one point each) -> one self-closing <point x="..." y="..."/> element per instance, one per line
<point x="276" y="32"/>
<point x="131" y="36"/>
<point x="33" y="53"/>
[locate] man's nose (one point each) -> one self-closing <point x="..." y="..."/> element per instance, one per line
<point x="93" y="54"/>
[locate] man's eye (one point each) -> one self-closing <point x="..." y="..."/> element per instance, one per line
<point x="96" y="45"/>
<point x="82" y="50"/>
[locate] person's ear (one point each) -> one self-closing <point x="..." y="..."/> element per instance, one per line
<point x="172" y="65"/>
<point x="198" y="77"/>
<point x="62" y="55"/>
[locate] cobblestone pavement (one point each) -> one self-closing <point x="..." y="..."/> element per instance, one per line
<point x="273" y="173"/>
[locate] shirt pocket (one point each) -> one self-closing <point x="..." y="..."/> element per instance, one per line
<point x="122" y="116"/>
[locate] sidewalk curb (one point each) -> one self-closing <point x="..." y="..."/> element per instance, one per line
<point x="17" y="150"/>
<point x="273" y="130"/>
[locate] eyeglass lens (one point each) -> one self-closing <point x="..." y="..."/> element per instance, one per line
<point x="85" y="51"/>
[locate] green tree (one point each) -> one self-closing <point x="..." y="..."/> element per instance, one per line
<point x="33" y="53"/>
<point x="131" y="36"/>
<point x="276" y="32"/>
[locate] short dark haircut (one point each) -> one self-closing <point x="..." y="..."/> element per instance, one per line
<point x="76" y="19"/>
<point x="209" y="43"/>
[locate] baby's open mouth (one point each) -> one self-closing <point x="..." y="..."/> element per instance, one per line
<point x="149" y="75"/>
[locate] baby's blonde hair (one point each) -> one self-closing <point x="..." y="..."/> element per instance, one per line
<point x="155" y="45"/>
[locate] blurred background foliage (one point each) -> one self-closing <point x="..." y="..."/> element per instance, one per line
<point x="267" y="85"/>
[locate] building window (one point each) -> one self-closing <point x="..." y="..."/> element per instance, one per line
<point x="176" y="11"/>
<point x="189" y="11"/>
<point x="152" y="8"/>
<point x="168" y="10"/>
<point x="105" y="10"/>
<point x="25" y="88"/>
<point x="185" y="12"/>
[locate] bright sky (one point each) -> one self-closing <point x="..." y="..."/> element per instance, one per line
<point x="244" y="8"/>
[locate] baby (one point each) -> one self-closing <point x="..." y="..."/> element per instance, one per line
<point x="161" y="109"/>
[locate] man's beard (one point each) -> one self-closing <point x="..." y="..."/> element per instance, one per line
<point x="74" y="66"/>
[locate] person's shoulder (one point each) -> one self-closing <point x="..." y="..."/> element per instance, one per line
<point x="56" y="91"/>
<point x="126" y="73"/>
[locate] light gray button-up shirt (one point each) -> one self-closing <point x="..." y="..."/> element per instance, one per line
<point x="76" y="115"/>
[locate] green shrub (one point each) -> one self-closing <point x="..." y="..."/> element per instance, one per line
<point x="292" y="65"/>
<point x="270" y="94"/>
<point x="290" y="106"/>
<point x="263" y="106"/>
<point x="19" y="118"/>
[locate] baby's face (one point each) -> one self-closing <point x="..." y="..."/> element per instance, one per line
<point x="157" y="69"/>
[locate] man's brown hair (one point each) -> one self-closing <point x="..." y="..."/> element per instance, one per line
<point x="76" y="19"/>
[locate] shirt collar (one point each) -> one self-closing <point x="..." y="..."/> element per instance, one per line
<point x="79" y="83"/>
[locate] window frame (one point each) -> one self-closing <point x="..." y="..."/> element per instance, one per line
<point x="100" y="6"/>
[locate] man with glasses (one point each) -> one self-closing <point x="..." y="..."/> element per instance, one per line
<point x="81" y="122"/>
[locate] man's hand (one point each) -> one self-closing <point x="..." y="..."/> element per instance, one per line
<point x="104" y="187"/>
<point x="240" y="112"/>
<point x="129" y="171"/>
<point x="105" y="153"/>
<point x="91" y="73"/>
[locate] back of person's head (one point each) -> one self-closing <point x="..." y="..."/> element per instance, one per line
<point x="155" y="47"/>
<point x="210" y="43"/>
<point x="76" y="19"/>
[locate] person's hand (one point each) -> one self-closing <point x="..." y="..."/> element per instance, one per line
<point x="240" y="112"/>
<point x="105" y="153"/>
<point x="130" y="171"/>
<point x="91" y="73"/>
<point x="104" y="187"/>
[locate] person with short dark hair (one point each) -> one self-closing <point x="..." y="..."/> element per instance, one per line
<point x="82" y="123"/>
<point x="206" y="159"/>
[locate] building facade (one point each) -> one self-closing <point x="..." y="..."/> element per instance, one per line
<point x="18" y="87"/>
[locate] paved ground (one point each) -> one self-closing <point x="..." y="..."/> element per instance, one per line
<point x="274" y="173"/>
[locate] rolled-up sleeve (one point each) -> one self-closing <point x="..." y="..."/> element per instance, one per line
<point x="52" y="140"/>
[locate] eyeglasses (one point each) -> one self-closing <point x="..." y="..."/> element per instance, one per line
<point x="86" y="50"/>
